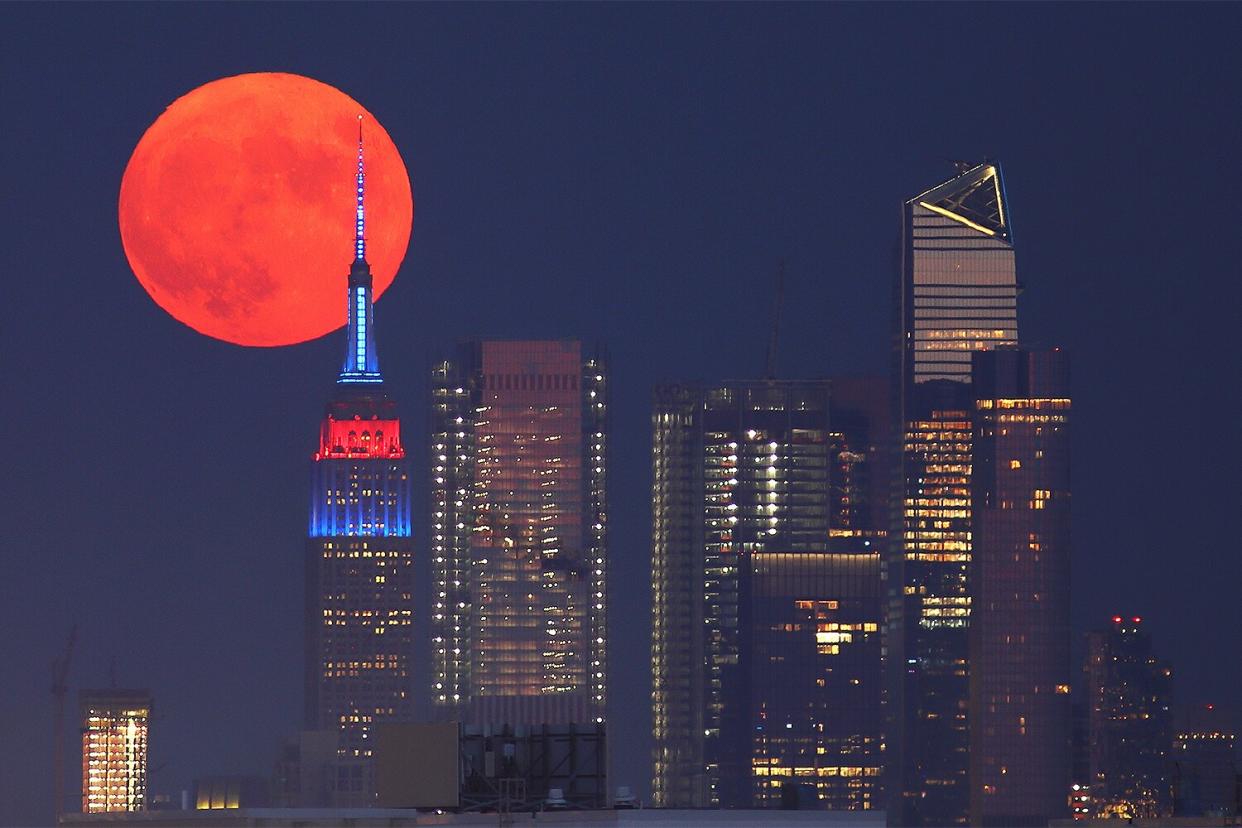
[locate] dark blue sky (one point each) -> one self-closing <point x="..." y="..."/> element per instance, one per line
<point x="624" y="173"/>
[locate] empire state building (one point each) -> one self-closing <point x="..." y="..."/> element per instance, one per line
<point x="359" y="555"/>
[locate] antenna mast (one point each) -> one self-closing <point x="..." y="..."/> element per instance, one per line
<point x="60" y="674"/>
<point x="778" y="302"/>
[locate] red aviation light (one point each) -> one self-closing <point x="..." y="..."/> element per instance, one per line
<point x="360" y="439"/>
<point x="1116" y="619"/>
<point x="1138" y="620"/>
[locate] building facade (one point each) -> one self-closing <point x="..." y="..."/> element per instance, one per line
<point x="1205" y="770"/>
<point x="955" y="293"/>
<point x="765" y="648"/>
<point x="114" y="750"/>
<point x="359" y="554"/>
<point x="519" y="527"/>
<point x="813" y="680"/>
<point x="1020" y="716"/>
<point x="1129" y="697"/>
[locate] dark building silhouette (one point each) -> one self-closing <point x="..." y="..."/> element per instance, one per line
<point x="519" y="528"/>
<point x="1019" y="715"/>
<point x="1129" y="697"/>
<point x="1205" y="770"/>
<point x="812" y="680"/>
<point x="1080" y="762"/>
<point x="955" y="293"/>
<point x="767" y="521"/>
<point x="359" y="562"/>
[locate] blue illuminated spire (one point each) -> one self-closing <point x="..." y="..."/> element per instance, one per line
<point x="360" y="213"/>
<point x="361" y="363"/>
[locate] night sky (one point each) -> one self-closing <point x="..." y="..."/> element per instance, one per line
<point x="630" y="174"/>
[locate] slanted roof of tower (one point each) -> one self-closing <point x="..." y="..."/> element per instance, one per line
<point x="975" y="198"/>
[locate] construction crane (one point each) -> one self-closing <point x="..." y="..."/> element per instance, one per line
<point x="778" y="302"/>
<point x="60" y="675"/>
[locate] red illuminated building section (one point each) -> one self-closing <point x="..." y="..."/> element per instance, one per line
<point x="343" y="439"/>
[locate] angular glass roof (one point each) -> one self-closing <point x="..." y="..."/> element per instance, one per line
<point x="975" y="197"/>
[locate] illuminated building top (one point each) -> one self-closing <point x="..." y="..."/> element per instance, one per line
<point x="974" y="198"/>
<point x="361" y="489"/>
<point x="361" y="366"/>
<point x="960" y="288"/>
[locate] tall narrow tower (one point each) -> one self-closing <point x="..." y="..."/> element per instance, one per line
<point x="359" y="562"/>
<point x="956" y="293"/>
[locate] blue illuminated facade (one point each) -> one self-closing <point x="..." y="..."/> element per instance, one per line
<point x="360" y="499"/>
<point x="359" y="554"/>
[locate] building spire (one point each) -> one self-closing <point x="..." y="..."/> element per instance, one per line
<point x="360" y="216"/>
<point x="361" y="364"/>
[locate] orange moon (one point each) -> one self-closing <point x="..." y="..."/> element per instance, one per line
<point x="237" y="207"/>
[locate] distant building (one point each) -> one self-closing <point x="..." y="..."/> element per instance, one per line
<point x="114" y="749"/>
<point x="227" y="793"/>
<point x="305" y="772"/>
<point x="767" y="513"/>
<point x="1205" y="771"/>
<point x="519" y="533"/>
<point x="813" y="665"/>
<point x="1020" y="716"/>
<point x="1129" y="697"/>
<point x="1080" y="764"/>
<point x="359" y="561"/>
<point x="955" y="293"/>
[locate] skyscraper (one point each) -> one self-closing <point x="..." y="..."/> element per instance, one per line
<point x="359" y="562"/>
<point x="519" y="528"/>
<point x="1129" y="697"/>
<point x="766" y="602"/>
<point x="114" y="749"/>
<point x="1020" y="717"/>
<point x="812" y="685"/>
<point x="1205" y="769"/>
<point x="956" y="293"/>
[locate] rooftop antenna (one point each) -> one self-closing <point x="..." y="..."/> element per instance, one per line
<point x="60" y="676"/>
<point x="360" y="222"/>
<point x="778" y="302"/>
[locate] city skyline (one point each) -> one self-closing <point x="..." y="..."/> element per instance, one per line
<point x="139" y="495"/>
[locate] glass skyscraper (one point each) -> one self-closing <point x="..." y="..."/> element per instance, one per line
<point x="519" y="517"/>
<point x="956" y="293"/>
<point x="1020" y="717"/>
<point x="766" y="598"/>
<point x="359" y="561"/>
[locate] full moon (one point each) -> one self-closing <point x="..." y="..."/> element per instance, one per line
<point x="237" y="207"/>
